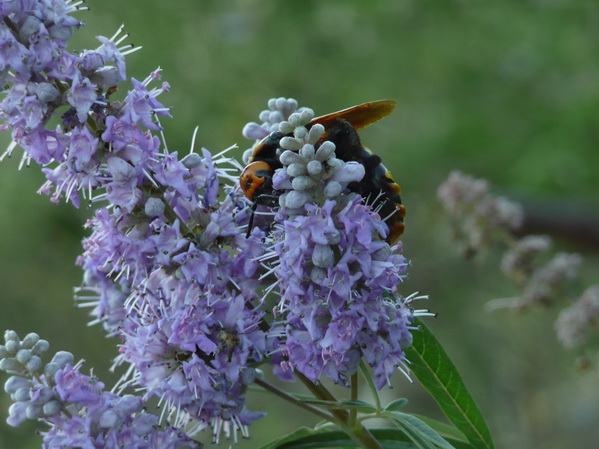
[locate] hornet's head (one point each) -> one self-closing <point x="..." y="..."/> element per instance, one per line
<point x="256" y="179"/>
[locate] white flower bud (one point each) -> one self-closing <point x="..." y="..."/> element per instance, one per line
<point x="46" y="92"/>
<point x="350" y="172"/>
<point x="296" y="170"/>
<point x="279" y="103"/>
<point x="306" y="115"/>
<point x="325" y="151"/>
<point x="192" y="160"/>
<point x="34" y="364"/>
<point x="307" y="151"/>
<point x="63" y="358"/>
<point x="296" y="119"/>
<point x="22" y="394"/>
<point x="302" y="183"/>
<point x="334" y="164"/>
<point x="23" y="355"/>
<point x="14" y="383"/>
<point x="120" y="169"/>
<point x="154" y="207"/>
<point x="109" y="419"/>
<point x="291" y="157"/>
<point x="248" y="375"/>
<point x="40" y="347"/>
<point x="333" y="189"/>
<point x="12" y="347"/>
<point x="275" y="117"/>
<point x="314" y="168"/>
<point x="254" y="131"/>
<point x="334" y="238"/>
<point x="30" y="25"/>
<point x="45" y="394"/>
<point x="11" y="365"/>
<point x="318" y="275"/>
<point x="323" y="256"/>
<point x="34" y="411"/>
<point x="316" y="132"/>
<point x="11" y="336"/>
<point x="282" y="200"/>
<point x="264" y="114"/>
<point x="285" y="127"/>
<point x="280" y="180"/>
<point x="108" y="76"/>
<point x="30" y="340"/>
<point x="300" y="133"/>
<point x="290" y="143"/>
<point x="382" y="254"/>
<point x="296" y="199"/>
<point x="50" y="370"/>
<point x="51" y="408"/>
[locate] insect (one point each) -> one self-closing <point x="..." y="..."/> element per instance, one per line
<point x="377" y="186"/>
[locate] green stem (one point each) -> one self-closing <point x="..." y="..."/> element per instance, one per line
<point x="355" y="430"/>
<point x="286" y="396"/>
<point x="321" y="392"/>
<point x="353" y="413"/>
<point x="371" y="386"/>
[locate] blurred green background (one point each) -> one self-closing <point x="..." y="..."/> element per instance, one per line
<point x="504" y="90"/>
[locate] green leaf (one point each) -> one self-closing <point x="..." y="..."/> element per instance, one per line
<point x="361" y="406"/>
<point x="396" y="405"/>
<point x="298" y="434"/>
<point x="433" y="368"/>
<point x="306" y="438"/>
<point x="445" y="430"/>
<point x="346" y="404"/>
<point x="420" y="433"/>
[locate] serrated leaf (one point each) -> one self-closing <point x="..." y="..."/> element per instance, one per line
<point x="396" y="405"/>
<point x="437" y="373"/>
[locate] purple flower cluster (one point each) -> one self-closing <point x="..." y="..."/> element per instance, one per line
<point x="79" y="412"/>
<point x="337" y="280"/>
<point x="168" y="269"/>
<point x="157" y="269"/>
<point x="336" y="276"/>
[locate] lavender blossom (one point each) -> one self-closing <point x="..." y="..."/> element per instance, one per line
<point x="168" y="269"/>
<point x="78" y="411"/>
<point x="163" y="220"/>
<point x="336" y="277"/>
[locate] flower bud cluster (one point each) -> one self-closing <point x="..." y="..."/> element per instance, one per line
<point x="279" y="109"/>
<point x="79" y="412"/>
<point x="480" y="216"/>
<point x="336" y="277"/>
<point x="164" y="219"/>
<point x="168" y="268"/>
<point x="23" y="359"/>
<point x="311" y="172"/>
